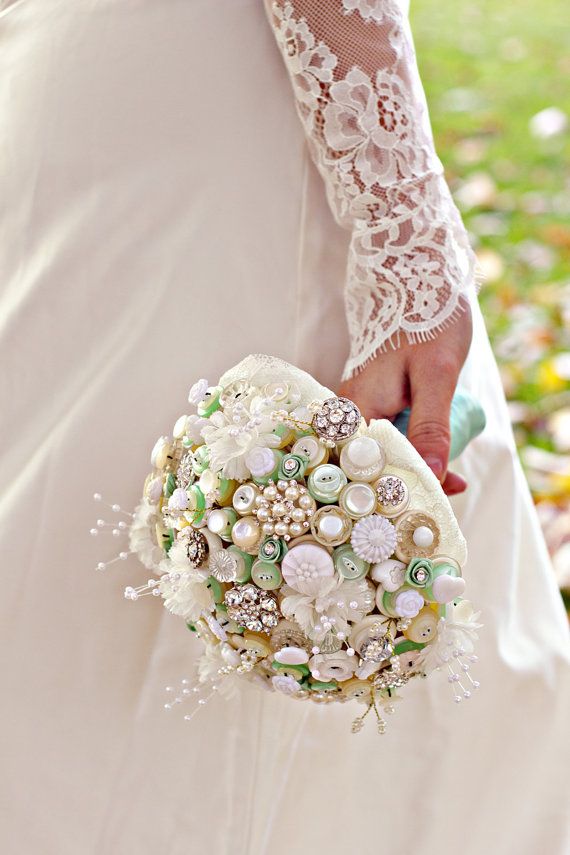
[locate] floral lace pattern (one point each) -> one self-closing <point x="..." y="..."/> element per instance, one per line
<point x="360" y="100"/>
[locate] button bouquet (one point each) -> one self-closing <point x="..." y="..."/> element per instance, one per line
<point x="310" y="553"/>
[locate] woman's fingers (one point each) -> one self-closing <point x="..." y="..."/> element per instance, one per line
<point x="381" y="389"/>
<point x="454" y="484"/>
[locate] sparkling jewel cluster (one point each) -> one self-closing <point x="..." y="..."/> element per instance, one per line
<point x="279" y="529"/>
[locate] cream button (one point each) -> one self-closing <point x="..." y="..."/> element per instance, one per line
<point x="312" y="449"/>
<point x="423" y="627"/>
<point x="331" y="526"/>
<point x="244" y="563"/>
<point x="357" y="500"/>
<point x="179" y="428"/>
<point x="257" y="643"/>
<point x="356" y="690"/>
<point x="292" y="656"/>
<point x="161" y="453"/>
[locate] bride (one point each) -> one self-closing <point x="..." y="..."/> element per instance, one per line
<point x="184" y="184"/>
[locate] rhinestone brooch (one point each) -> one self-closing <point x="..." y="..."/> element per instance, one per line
<point x="336" y="419"/>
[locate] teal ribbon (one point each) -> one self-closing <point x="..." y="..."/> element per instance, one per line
<point x="467" y="420"/>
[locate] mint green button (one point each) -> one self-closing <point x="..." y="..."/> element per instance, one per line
<point x="348" y="564"/>
<point x="325" y="483"/>
<point x="200" y="460"/>
<point x="266" y="575"/>
<point x="216" y="589"/>
<point x="319" y="686"/>
<point x="298" y="672"/>
<point x="211" y="402"/>
<point x="170" y="485"/>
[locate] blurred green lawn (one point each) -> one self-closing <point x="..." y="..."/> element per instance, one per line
<point x="489" y="68"/>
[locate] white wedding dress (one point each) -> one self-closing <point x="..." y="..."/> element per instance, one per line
<point x="164" y="213"/>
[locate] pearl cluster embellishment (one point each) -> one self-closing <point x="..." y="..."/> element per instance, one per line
<point x="284" y="509"/>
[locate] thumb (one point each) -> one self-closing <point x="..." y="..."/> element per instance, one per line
<point x="428" y="429"/>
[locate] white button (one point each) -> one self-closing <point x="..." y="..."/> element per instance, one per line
<point x="292" y="656"/>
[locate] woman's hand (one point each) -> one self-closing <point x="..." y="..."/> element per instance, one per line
<point x="422" y="377"/>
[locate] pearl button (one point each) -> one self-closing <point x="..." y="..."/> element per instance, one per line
<point x="244" y="498"/>
<point x="423" y="536"/>
<point x="358" y="500"/>
<point x="220" y="521"/>
<point x="246" y="534"/>
<point x="331" y="526"/>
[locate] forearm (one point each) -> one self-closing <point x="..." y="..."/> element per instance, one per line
<point x="360" y="100"/>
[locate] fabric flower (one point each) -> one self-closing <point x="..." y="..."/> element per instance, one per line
<point x="185" y="595"/>
<point x="456" y="632"/>
<point x="214" y="658"/>
<point x="260" y="461"/>
<point x="331" y="605"/>
<point x="305" y="566"/>
<point x="142" y="537"/>
<point x="198" y="391"/>
<point x="230" y="441"/>
<point x="419" y="572"/>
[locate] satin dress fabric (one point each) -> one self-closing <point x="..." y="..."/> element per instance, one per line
<point x="161" y="218"/>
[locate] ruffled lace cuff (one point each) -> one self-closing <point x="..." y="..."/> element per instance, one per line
<point x="361" y="103"/>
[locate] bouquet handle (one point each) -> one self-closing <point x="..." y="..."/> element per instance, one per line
<point x="467" y="421"/>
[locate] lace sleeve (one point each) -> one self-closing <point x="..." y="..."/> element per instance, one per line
<point x="360" y="100"/>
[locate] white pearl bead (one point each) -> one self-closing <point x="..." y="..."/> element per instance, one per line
<point x="423" y="536"/>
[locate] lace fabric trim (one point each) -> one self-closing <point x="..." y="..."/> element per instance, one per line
<point x="360" y="100"/>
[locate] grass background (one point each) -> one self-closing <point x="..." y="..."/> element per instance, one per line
<point x="488" y="68"/>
